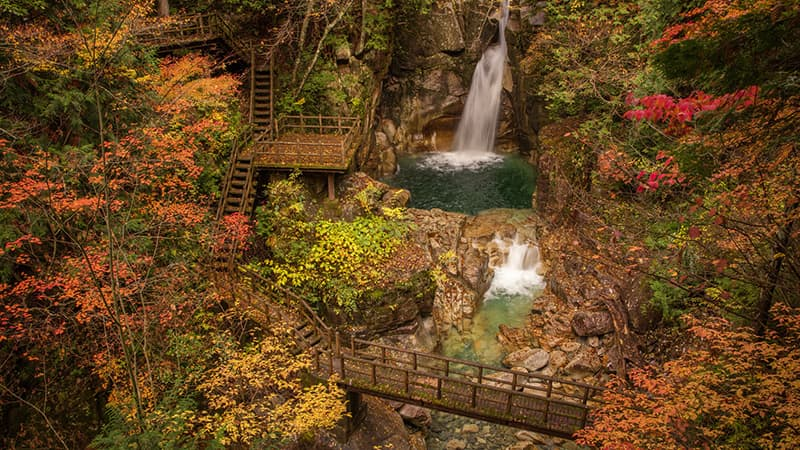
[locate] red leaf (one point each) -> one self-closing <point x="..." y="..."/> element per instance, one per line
<point x="694" y="232"/>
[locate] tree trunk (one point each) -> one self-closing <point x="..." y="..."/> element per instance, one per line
<point x="163" y="8"/>
<point x="363" y="36"/>
<point x="302" y="40"/>
<point x="624" y="340"/>
<point x="321" y="44"/>
<point x="779" y="253"/>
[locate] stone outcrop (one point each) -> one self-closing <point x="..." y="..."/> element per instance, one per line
<point x="592" y="323"/>
<point x="382" y="427"/>
<point x="415" y="415"/>
<point x="434" y="57"/>
<point x="460" y="249"/>
<point x="531" y="359"/>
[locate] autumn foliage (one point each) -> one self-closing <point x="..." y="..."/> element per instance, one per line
<point x="732" y="389"/>
<point x="111" y="163"/>
<point x="687" y="178"/>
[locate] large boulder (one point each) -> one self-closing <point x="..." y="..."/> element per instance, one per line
<point x="592" y="323"/>
<point x="415" y="415"/>
<point x="529" y="358"/>
<point x="382" y="427"/>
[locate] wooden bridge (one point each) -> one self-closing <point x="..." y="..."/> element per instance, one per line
<point x="553" y="406"/>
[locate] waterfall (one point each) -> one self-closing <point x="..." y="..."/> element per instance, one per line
<point x="478" y="126"/>
<point x="473" y="144"/>
<point x="519" y="272"/>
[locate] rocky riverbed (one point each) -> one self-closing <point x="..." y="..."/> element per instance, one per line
<point x="568" y="332"/>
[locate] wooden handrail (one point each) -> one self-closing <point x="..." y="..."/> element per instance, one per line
<point x="304" y="308"/>
<point x="480" y="367"/>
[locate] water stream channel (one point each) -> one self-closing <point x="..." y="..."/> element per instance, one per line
<point x="471" y="178"/>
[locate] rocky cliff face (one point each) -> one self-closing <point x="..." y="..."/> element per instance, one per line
<point x="441" y="272"/>
<point x="460" y="249"/>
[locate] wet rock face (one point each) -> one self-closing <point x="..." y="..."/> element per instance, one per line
<point x="454" y="305"/>
<point x="592" y="323"/>
<point x="459" y="248"/>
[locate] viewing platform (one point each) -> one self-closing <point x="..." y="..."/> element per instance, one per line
<point x="308" y="143"/>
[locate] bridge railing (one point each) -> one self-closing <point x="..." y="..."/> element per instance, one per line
<point x="489" y="398"/>
<point x="444" y="366"/>
<point x="312" y="140"/>
<point x="285" y="296"/>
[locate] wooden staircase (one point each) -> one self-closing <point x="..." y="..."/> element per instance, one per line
<point x="261" y="102"/>
<point x="239" y="194"/>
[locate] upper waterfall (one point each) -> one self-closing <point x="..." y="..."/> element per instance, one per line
<point x="473" y="143"/>
<point x="478" y="126"/>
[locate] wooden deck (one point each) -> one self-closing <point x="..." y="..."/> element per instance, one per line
<point x="309" y="143"/>
<point x="553" y="406"/>
<point x="185" y="31"/>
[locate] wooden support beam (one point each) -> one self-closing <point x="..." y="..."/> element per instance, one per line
<point x="331" y="187"/>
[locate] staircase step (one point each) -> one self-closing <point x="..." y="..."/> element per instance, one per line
<point x="312" y="343"/>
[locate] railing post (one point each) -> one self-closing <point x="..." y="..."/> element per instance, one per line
<point x="252" y="84"/>
<point x="510" y="401"/>
<point x="383" y="355"/>
<point x="405" y="381"/>
<point x="271" y="95"/>
<point x="473" y="400"/>
<point x="446" y="368"/>
<point x="438" y="388"/>
<point x="585" y="412"/>
<point x="480" y="374"/>
<point x="514" y="382"/>
<point x="415" y="361"/>
<point x="338" y="347"/>
<point x="547" y="405"/>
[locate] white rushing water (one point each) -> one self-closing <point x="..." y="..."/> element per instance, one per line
<point x="473" y="144"/>
<point x="519" y="273"/>
<point x="517" y="281"/>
